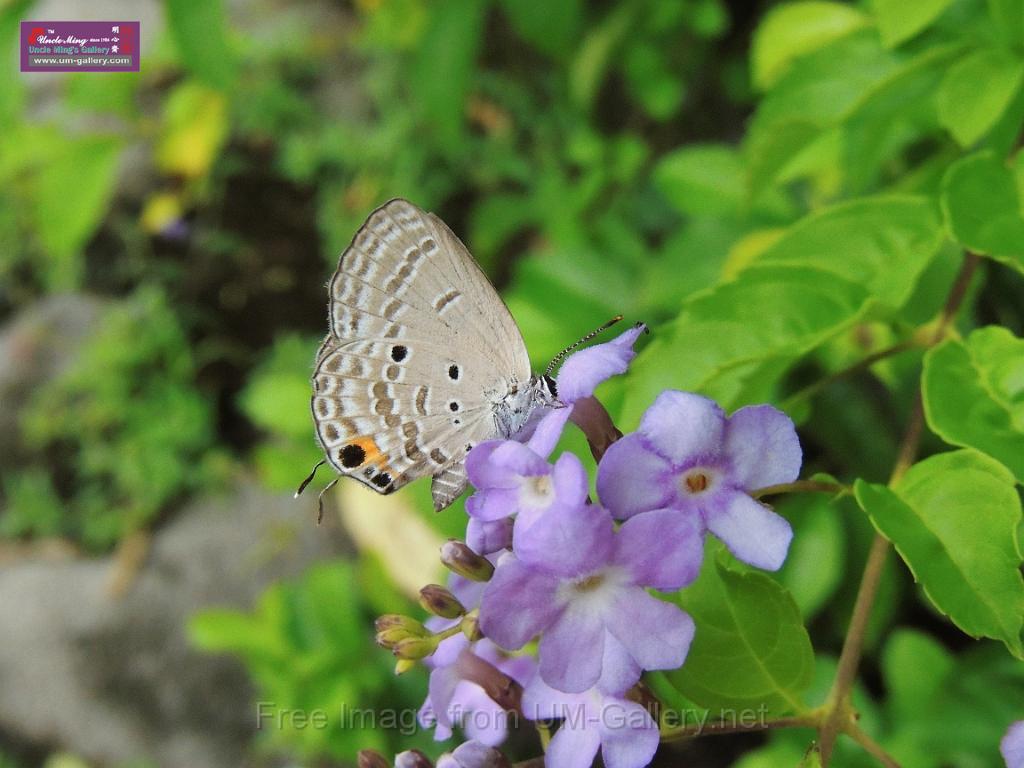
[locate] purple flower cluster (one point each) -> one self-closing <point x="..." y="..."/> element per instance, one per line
<point x="576" y="572"/>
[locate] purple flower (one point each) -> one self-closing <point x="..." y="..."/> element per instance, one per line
<point x="579" y="376"/>
<point x="582" y="585"/>
<point x="512" y="479"/>
<point x="624" y="731"/>
<point x="473" y="754"/>
<point x="454" y="695"/>
<point x="1012" y="746"/>
<point x="689" y="457"/>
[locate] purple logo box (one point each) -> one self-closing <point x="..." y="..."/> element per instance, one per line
<point x="79" y="46"/>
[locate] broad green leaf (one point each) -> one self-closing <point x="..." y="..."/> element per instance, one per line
<point x="701" y="179"/>
<point x="976" y="91"/>
<point x="71" y="192"/>
<point x="200" y="32"/>
<point x="595" y="53"/>
<point x="882" y="243"/>
<point x="1008" y="16"/>
<point x="974" y="394"/>
<point x="794" y="29"/>
<point x="550" y="26"/>
<point x="815" y="563"/>
<point x="747" y="331"/>
<point x="750" y="649"/>
<point x="443" y="71"/>
<point x="982" y="203"/>
<point x="899" y="20"/>
<point x="953" y="519"/>
<point x="915" y="667"/>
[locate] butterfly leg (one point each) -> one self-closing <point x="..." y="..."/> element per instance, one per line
<point x="309" y="478"/>
<point x="320" y="499"/>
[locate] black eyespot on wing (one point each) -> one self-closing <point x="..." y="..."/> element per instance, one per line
<point x="456" y="422"/>
<point x="399" y="353"/>
<point x="352" y="456"/>
<point x="453" y="406"/>
<point x="383" y="480"/>
<point x="454" y="372"/>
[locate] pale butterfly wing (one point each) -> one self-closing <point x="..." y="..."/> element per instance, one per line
<point x="418" y="338"/>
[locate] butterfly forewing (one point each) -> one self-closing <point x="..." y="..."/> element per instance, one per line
<point x="418" y="339"/>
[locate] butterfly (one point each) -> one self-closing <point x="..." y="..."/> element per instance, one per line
<point x="422" y="361"/>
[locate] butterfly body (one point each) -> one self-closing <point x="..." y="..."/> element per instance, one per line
<point x="422" y="361"/>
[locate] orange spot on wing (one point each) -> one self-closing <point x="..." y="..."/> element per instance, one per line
<point x="374" y="455"/>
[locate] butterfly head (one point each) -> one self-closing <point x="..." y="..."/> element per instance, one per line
<point x="545" y="391"/>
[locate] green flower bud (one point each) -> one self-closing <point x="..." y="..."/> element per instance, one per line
<point x="439" y="601"/>
<point x="460" y="559"/>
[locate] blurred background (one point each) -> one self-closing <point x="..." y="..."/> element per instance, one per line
<point x="165" y="240"/>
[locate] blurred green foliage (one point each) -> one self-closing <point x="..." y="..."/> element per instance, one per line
<point x="778" y="191"/>
<point x="308" y="650"/>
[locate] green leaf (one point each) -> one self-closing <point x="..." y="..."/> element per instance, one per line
<point x="750" y="649"/>
<point x="794" y="29"/>
<point x="814" y="566"/>
<point x="976" y="91"/>
<point x="953" y="519"/>
<point x="882" y="243"/>
<point x="982" y="203"/>
<point x="899" y="20"/>
<point x="915" y="667"/>
<point x="743" y="333"/>
<point x="1008" y="16"/>
<point x="443" y="70"/>
<point x="551" y="26"/>
<point x="974" y="394"/>
<point x="199" y="30"/>
<point x="72" y="191"/>
<point x="701" y="179"/>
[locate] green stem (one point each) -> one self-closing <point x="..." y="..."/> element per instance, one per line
<point x="810" y="720"/>
<point x="871" y="746"/>
<point x="812" y="389"/>
<point x="801" y="486"/>
<point x="839" y="713"/>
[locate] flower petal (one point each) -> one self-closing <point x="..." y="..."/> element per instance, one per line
<point x="570" y="480"/>
<point x="762" y="445"/>
<point x="619" y="670"/>
<point x="571" y="651"/>
<point x="573" y="746"/>
<point x="682" y="426"/>
<point x="488" y="536"/>
<point x="751" y="531"/>
<point x="661" y="549"/>
<point x="549" y="430"/>
<point x="479" y="470"/>
<point x="492" y="504"/>
<point x="474" y="754"/>
<point x="440" y="692"/>
<point x="584" y="370"/>
<point x="542" y="702"/>
<point x="657" y="634"/>
<point x="568" y="541"/>
<point x="518" y="603"/>
<point x="480" y="718"/>
<point x="629" y="735"/>
<point x="1012" y="746"/>
<point x="631" y="478"/>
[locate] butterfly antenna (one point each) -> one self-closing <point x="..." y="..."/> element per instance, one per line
<point x="309" y="478"/>
<point x="561" y="355"/>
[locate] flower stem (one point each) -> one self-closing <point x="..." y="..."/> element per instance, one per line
<point x="839" y="713"/>
<point x="871" y="746"/>
<point x="814" y="387"/>
<point x="810" y="720"/>
<point x="801" y="486"/>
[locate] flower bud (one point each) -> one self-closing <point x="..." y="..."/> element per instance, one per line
<point x="439" y="601"/>
<point x="414" y="648"/>
<point x="403" y="665"/>
<point x="392" y="628"/>
<point x="412" y="758"/>
<point x="470" y="627"/>
<point x="460" y="559"/>
<point x="369" y="758"/>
